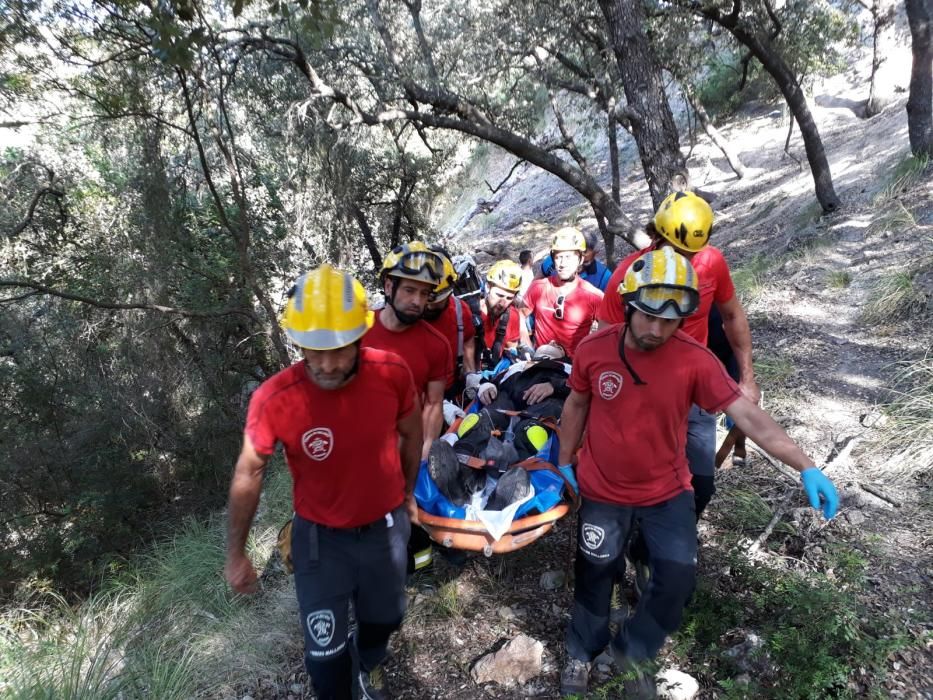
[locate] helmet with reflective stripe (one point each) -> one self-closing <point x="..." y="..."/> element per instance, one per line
<point x="568" y="238"/>
<point x="414" y="261"/>
<point x="685" y="220"/>
<point x="326" y="310"/>
<point x="506" y="274"/>
<point x="661" y="283"/>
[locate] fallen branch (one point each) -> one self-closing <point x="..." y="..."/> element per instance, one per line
<point x="775" y="519"/>
<point x="875" y="491"/>
<point x="838" y="454"/>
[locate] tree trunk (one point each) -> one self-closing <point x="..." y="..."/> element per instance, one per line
<point x="787" y="83"/>
<point x="654" y="130"/>
<point x="368" y="238"/>
<point x="734" y="162"/>
<point x="879" y="92"/>
<point x="920" y="102"/>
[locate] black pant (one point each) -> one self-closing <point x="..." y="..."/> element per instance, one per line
<point x="670" y="529"/>
<point x="332" y="567"/>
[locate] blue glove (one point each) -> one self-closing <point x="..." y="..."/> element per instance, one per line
<point x="819" y="489"/>
<point x="567" y="471"/>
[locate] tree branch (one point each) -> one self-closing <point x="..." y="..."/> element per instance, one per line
<point x="506" y="179"/>
<point x="40" y="288"/>
<point x="33" y="204"/>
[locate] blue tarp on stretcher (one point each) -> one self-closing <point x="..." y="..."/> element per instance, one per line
<point x="548" y="487"/>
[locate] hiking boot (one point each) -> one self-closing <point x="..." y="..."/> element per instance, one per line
<point x="499" y="455"/>
<point x="637" y="679"/>
<point x="574" y="678"/>
<point x="373" y="685"/>
<point x="513" y="486"/>
<point x="444" y="469"/>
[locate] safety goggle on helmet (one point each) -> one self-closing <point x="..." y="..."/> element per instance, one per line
<point x="661" y="283"/>
<point x="414" y="261"/>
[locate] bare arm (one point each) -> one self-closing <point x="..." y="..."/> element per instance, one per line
<point x="572" y="422"/>
<point x="762" y="428"/>
<point x="244" y="498"/>
<point x="432" y="414"/>
<point x="411" y="437"/>
<point x="469" y="356"/>
<point x="735" y="325"/>
<point x="524" y="337"/>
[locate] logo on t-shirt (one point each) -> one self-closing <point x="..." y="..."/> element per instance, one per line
<point x="318" y="443"/>
<point x="593" y="536"/>
<point x="321" y="627"/>
<point x="609" y="385"/>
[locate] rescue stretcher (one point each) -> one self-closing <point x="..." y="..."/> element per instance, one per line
<point x="447" y="525"/>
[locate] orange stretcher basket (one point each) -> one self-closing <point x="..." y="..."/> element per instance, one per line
<point x="471" y="535"/>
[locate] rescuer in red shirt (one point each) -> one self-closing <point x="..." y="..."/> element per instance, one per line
<point x="349" y="420"/>
<point x="632" y="386"/>
<point x="503" y="326"/>
<point x="452" y="317"/>
<point x="684" y="221"/>
<point x="410" y="272"/>
<point x="564" y="306"/>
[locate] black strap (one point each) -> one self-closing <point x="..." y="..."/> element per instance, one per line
<point x="501" y="330"/>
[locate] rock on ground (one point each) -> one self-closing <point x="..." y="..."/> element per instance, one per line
<point x="676" y="685"/>
<point x="516" y="662"/>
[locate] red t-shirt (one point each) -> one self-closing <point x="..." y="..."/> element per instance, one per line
<point x="580" y="307"/>
<point x="715" y="285"/>
<point x="634" y="447"/>
<point x="341" y="445"/>
<point x="424" y="349"/>
<point x="446" y="324"/>
<point x="512" y="328"/>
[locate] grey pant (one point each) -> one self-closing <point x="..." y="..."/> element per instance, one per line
<point x="367" y="565"/>
<point x="701" y="455"/>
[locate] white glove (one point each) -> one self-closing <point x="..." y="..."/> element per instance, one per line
<point x="487" y="393"/>
<point x="451" y="412"/>
<point x="473" y="380"/>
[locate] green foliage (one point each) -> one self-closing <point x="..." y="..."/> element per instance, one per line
<point x="718" y="88"/>
<point x="749" y="278"/>
<point x="894" y="297"/>
<point x="816" y="634"/>
<point x="910" y="427"/>
<point x="773" y="370"/>
<point x="839" y="279"/>
<point x="153" y="628"/>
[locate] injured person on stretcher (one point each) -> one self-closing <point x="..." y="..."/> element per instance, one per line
<point x="519" y="410"/>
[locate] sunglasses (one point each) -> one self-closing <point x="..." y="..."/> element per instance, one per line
<point x="559" y="307"/>
<point x="661" y="300"/>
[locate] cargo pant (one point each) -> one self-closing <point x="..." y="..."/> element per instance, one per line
<point x="670" y="531"/>
<point x="366" y="565"/>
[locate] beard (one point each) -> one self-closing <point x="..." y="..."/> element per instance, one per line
<point x="407" y="318"/>
<point x="432" y="314"/>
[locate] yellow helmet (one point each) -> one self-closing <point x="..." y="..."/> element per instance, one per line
<point x="446" y="285"/>
<point x="685" y="220"/>
<point x="505" y="274"/>
<point x="568" y="238"/>
<point x="414" y="261"/>
<point x="661" y="283"/>
<point x="326" y="310"/>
